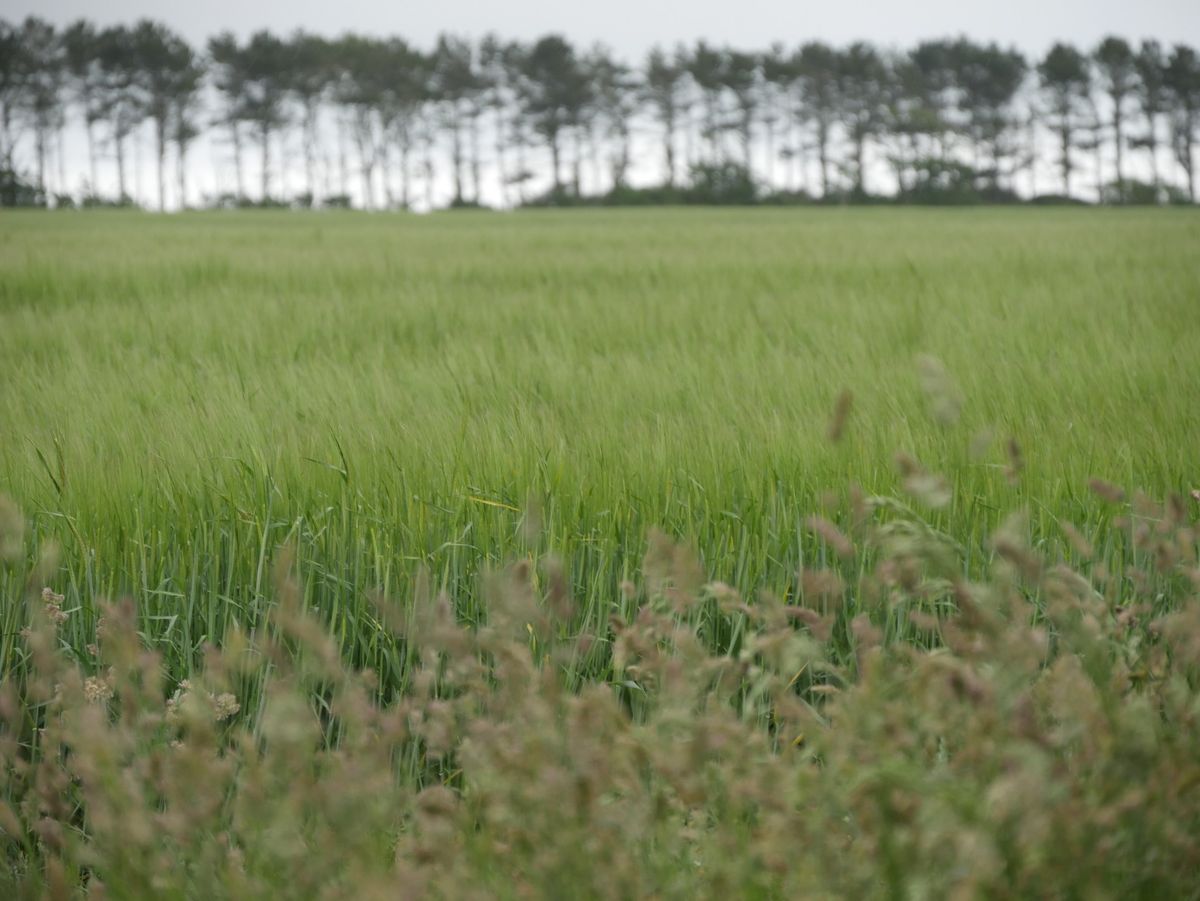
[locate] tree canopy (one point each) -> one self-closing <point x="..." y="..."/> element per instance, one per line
<point x="376" y="119"/>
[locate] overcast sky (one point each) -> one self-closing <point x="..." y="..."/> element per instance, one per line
<point x="631" y="26"/>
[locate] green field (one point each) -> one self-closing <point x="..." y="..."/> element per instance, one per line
<point x="279" y="436"/>
<point x="182" y="395"/>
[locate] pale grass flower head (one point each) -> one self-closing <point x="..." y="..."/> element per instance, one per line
<point x="96" y="690"/>
<point x="53" y="608"/>
<point x="225" y="706"/>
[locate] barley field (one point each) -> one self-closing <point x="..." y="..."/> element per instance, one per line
<point x="397" y="407"/>
<point x="183" y="395"/>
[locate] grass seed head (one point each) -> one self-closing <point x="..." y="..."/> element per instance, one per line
<point x="841" y="415"/>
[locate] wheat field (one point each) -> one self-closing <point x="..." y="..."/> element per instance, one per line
<point x="182" y="395"/>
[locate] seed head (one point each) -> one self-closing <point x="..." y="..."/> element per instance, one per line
<point x="225" y="706"/>
<point x="53" y="608"/>
<point x="96" y="690"/>
<point x="841" y="413"/>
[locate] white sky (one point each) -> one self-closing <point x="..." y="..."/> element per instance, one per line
<point x="631" y="26"/>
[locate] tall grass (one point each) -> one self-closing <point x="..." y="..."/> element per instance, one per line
<point x="1031" y="732"/>
<point x="182" y="396"/>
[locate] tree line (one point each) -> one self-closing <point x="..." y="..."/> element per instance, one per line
<point x="949" y="119"/>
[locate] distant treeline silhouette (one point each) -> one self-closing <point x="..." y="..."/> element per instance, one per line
<point x="952" y="120"/>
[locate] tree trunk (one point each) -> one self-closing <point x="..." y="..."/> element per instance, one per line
<point x="94" y="187"/>
<point x="798" y="178"/>
<point x="595" y="139"/>
<point x="577" y="161"/>
<point x="1031" y="136"/>
<point x="6" y="137"/>
<point x="138" y="169"/>
<point x="520" y="142"/>
<point x="1119" y="139"/>
<point x="689" y="139"/>
<point x="669" y="147"/>
<point x="710" y="125"/>
<point x="501" y="168"/>
<point x="823" y="155"/>
<point x="1064" y="136"/>
<point x="770" y="151"/>
<point x="343" y="166"/>
<point x="859" y="174"/>
<point x="265" y="135"/>
<point x="456" y="152"/>
<point x="160" y="137"/>
<point x="747" y="140"/>
<point x="994" y="149"/>
<point x="181" y="173"/>
<point x="474" y="132"/>
<point x="554" y="161"/>
<point x="404" y="198"/>
<point x="310" y="152"/>
<point x="619" y="160"/>
<point x="362" y="137"/>
<point x="429" y="170"/>
<point x="120" y="147"/>
<point x="900" y="163"/>
<point x="40" y="142"/>
<point x="385" y="170"/>
<point x="1187" y="158"/>
<point x="237" y="159"/>
<point x="368" y="182"/>
<point x="1152" y="146"/>
<point x="61" y="145"/>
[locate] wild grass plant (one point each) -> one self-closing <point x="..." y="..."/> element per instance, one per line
<point x="1031" y="732"/>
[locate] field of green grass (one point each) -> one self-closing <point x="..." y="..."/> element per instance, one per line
<point x="180" y="396"/>
<point x="607" y="554"/>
